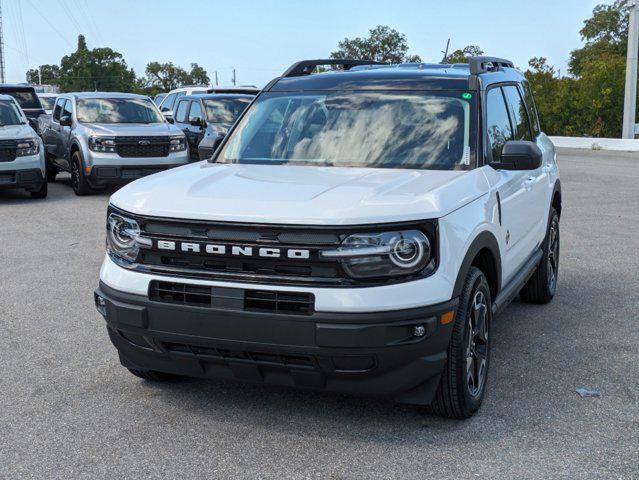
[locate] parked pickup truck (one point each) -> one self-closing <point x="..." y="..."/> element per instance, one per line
<point x="109" y="138"/>
<point x="355" y="231"/>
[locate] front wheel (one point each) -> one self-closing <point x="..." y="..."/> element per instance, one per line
<point x="463" y="382"/>
<point x="542" y="285"/>
<point x="78" y="180"/>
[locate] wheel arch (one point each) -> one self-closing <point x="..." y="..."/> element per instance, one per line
<point x="556" y="197"/>
<point x="483" y="253"/>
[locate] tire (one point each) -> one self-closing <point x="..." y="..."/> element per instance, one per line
<point x="52" y="172"/>
<point x="150" y="375"/>
<point x="78" y="180"/>
<point x="463" y="382"/>
<point x="42" y="193"/>
<point x="541" y="287"/>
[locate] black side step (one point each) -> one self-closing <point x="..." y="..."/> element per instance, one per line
<point x="511" y="290"/>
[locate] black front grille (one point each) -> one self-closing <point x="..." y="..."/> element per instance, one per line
<point x="298" y="303"/>
<point x="240" y="356"/>
<point x="7" y="150"/>
<point x="142" y="147"/>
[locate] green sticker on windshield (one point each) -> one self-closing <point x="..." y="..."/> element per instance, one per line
<point x="467" y="96"/>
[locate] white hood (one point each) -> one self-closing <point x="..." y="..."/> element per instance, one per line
<point x="287" y="194"/>
<point x="14" y="132"/>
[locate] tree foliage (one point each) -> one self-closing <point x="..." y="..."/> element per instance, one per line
<point x="383" y="44"/>
<point x="50" y="74"/>
<point x="462" y="55"/>
<point x="162" y="77"/>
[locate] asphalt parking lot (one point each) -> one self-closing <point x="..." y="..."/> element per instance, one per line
<point x="69" y="410"/>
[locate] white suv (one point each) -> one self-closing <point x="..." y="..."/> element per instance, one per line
<point x="356" y="231"/>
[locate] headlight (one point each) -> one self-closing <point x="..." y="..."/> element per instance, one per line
<point x="27" y="147"/>
<point x="178" y="143"/>
<point x="386" y="254"/>
<point x="123" y="237"/>
<point x="102" y="144"/>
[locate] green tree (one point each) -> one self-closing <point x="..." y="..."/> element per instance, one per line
<point x="383" y="44"/>
<point x="100" y="69"/>
<point x="198" y="76"/>
<point x="162" y="77"/>
<point x="50" y="74"/>
<point x="462" y="55"/>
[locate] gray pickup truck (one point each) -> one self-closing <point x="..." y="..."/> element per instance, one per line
<point x="109" y="138"/>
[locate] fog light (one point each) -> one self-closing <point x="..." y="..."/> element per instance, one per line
<point x="419" y="331"/>
<point x="100" y="305"/>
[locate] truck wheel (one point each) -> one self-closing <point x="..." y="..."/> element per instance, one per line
<point x="78" y="180"/>
<point x="463" y="381"/>
<point x="150" y="375"/>
<point x="542" y="285"/>
<point x="42" y="193"/>
<point x="52" y="172"/>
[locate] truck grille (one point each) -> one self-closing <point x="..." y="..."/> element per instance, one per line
<point x="7" y="150"/>
<point x="142" y="147"/>
<point x="298" y="303"/>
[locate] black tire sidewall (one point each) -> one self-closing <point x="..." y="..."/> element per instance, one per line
<point x="479" y="282"/>
<point x="82" y="187"/>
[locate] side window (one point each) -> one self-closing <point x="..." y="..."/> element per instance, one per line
<point x="532" y="108"/>
<point x="58" y="108"/>
<point x="68" y="109"/>
<point x="518" y="111"/>
<point x="497" y="122"/>
<point x="167" y="104"/>
<point x="182" y="109"/>
<point x="196" y="111"/>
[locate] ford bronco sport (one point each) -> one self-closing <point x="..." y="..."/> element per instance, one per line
<point x="356" y="231"/>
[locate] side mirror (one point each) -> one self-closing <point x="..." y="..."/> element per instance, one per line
<point x="168" y="114"/>
<point x="519" y="155"/>
<point x="65" y="121"/>
<point x="198" y="122"/>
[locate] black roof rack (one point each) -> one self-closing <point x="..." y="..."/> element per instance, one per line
<point x="480" y="64"/>
<point x="306" y="67"/>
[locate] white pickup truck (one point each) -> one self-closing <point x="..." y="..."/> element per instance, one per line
<point x="109" y="138"/>
<point x="356" y="231"/>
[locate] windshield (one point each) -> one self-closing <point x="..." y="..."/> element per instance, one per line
<point x="47" y="102"/>
<point x="117" y="110"/>
<point x="9" y="114"/>
<point x="26" y="99"/>
<point x="224" y="111"/>
<point x="420" y="130"/>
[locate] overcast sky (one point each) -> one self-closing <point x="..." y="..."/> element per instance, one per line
<point x="261" y="38"/>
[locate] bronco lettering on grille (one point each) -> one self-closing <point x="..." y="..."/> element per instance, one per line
<point x="233" y="250"/>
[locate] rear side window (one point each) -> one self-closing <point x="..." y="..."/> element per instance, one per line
<point x="182" y="109"/>
<point x="68" y="109"/>
<point x="58" y="108"/>
<point x="167" y="104"/>
<point x="497" y="122"/>
<point x="521" y="124"/>
<point x="26" y="99"/>
<point x="196" y="111"/>
<point x="532" y="108"/>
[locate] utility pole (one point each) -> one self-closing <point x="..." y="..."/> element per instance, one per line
<point x="233" y="77"/>
<point x="2" y="70"/>
<point x="630" y="97"/>
<point x="216" y="84"/>
<point x="39" y="76"/>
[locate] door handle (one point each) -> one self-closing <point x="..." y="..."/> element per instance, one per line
<point x="528" y="183"/>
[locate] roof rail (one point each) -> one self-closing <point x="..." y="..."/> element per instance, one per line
<point x="480" y="64"/>
<point x="306" y="67"/>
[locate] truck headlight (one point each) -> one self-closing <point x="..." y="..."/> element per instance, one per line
<point x="178" y="143"/>
<point x="27" y="147"/>
<point x="102" y="144"/>
<point x="384" y="254"/>
<point x="123" y="237"/>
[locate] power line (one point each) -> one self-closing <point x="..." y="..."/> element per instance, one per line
<point x="50" y="24"/>
<point x="2" y="72"/>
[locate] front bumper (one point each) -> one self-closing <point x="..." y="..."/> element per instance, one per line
<point x="29" y="179"/>
<point x="102" y="175"/>
<point x="374" y="353"/>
